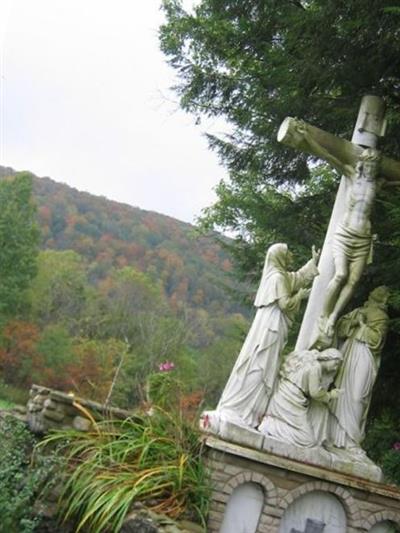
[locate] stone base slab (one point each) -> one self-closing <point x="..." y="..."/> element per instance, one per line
<point x="230" y="431"/>
<point x="366" y="503"/>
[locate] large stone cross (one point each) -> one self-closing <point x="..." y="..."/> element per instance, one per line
<point x="312" y="526"/>
<point x="369" y="128"/>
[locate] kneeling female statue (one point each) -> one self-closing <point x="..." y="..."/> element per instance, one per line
<point x="305" y="376"/>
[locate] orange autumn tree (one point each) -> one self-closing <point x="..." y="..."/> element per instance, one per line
<point x="93" y="369"/>
<point x="19" y="358"/>
<point x="54" y="359"/>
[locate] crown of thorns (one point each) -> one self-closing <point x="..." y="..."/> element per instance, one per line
<point x="370" y="154"/>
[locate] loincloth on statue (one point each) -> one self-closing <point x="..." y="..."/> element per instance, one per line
<point x="352" y="244"/>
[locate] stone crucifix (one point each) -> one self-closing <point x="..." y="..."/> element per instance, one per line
<point x="348" y="240"/>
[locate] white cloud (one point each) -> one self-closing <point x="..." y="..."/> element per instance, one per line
<point x="85" y="101"/>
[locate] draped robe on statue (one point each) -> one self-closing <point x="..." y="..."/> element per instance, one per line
<point x="358" y="373"/>
<point x="287" y="418"/>
<point x="249" y="388"/>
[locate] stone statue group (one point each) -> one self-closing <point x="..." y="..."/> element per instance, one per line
<point x="317" y="396"/>
<point x="310" y="397"/>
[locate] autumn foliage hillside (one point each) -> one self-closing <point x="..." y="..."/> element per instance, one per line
<point x="117" y="290"/>
<point x="110" y="234"/>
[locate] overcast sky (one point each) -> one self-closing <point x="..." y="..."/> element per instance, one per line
<point x="84" y="100"/>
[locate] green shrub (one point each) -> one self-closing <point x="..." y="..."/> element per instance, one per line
<point x="381" y="434"/>
<point x="382" y="444"/>
<point x="21" y="477"/>
<point x="391" y="464"/>
<point x="164" y="390"/>
<point x="12" y="394"/>
<point x="5" y="404"/>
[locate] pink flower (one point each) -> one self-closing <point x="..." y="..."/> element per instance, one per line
<point x="166" y="367"/>
<point x="396" y="446"/>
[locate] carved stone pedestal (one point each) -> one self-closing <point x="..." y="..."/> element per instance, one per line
<point x="256" y="491"/>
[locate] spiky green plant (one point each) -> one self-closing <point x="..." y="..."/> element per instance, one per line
<point x="154" y="459"/>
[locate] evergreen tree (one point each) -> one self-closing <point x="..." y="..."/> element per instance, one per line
<point x="254" y="63"/>
<point x="19" y="238"/>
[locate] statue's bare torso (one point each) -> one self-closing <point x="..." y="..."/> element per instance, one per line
<point x="360" y="199"/>
<point x="352" y="240"/>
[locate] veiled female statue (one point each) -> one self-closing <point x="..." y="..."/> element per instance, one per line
<point x="245" y="397"/>
<point x="305" y="376"/>
<point x="365" y="330"/>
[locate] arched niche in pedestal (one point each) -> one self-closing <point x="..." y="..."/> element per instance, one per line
<point x="385" y="527"/>
<point x="314" y="512"/>
<point x="244" y="509"/>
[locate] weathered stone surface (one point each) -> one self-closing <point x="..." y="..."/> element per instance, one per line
<point x="81" y="424"/>
<point x="138" y="524"/>
<point x="62" y="397"/>
<point x="34" y="407"/>
<point x="18" y="412"/>
<point x="36" y="423"/>
<point x="292" y="465"/>
<point x="318" y="456"/>
<point x="146" y="521"/>
<point x="241" y="435"/>
<point x="53" y="415"/>
<point x="20" y="409"/>
<point x="286" y="480"/>
<point x="48" y="408"/>
<point x="49" y="404"/>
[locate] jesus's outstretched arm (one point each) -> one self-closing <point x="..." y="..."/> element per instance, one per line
<point x="320" y="151"/>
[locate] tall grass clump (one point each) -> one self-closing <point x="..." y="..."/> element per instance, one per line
<point x="154" y="458"/>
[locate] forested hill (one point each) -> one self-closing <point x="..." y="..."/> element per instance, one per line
<point x="110" y="234"/>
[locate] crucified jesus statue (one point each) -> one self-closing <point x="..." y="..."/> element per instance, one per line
<point x="347" y="245"/>
<point x="352" y="241"/>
